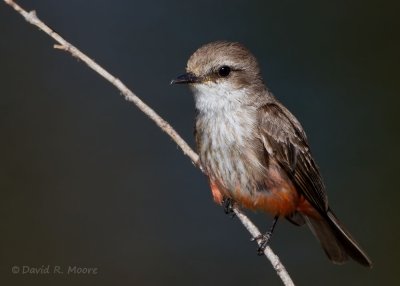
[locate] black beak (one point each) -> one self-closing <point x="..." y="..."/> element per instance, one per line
<point x="185" y="78"/>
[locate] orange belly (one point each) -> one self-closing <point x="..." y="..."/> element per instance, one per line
<point x="282" y="203"/>
<point x="277" y="201"/>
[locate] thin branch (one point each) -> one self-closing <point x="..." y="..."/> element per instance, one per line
<point x="273" y="258"/>
<point x="32" y="18"/>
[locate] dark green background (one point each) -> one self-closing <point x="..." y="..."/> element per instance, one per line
<point x="87" y="180"/>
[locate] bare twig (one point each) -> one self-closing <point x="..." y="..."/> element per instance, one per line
<point x="32" y="18"/>
<point x="273" y="258"/>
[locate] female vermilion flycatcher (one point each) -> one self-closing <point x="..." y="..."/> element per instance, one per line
<point x="255" y="151"/>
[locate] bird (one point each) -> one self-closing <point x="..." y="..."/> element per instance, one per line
<point x="255" y="152"/>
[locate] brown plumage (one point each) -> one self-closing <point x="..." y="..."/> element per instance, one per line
<point x="255" y="151"/>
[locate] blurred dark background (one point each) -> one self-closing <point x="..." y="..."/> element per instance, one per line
<point x="87" y="180"/>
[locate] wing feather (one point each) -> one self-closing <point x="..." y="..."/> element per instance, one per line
<point x="285" y="140"/>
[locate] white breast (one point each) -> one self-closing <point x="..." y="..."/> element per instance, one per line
<point x="226" y="128"/>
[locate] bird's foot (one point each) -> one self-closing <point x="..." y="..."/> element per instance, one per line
<point x="228" y="203"/>
<point x="263" y="241"/>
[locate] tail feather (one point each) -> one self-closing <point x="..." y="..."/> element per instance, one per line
<point x="336" y="241"/>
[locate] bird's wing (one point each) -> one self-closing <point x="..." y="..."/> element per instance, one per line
<point x="284" y="139"/>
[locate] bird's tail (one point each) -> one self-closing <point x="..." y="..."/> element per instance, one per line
<point x="336" y="241"/>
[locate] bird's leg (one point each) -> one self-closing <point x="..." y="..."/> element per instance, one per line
<point x="228" y="203"/>
<point x="264" y="239"/>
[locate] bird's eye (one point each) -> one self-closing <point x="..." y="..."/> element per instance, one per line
<point x="224" y="71"/>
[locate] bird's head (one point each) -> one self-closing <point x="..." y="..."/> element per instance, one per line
<point x="222" y="73"/>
